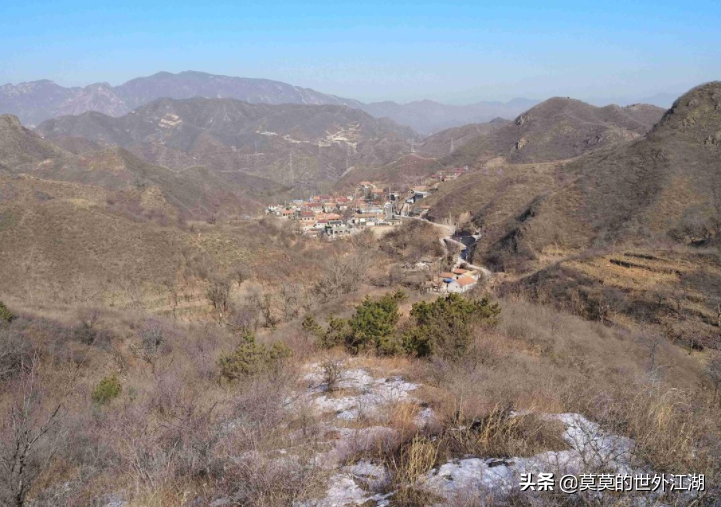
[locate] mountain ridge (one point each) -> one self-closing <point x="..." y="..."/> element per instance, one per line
<point x="559" y="128"/>
<point x="36" y="101"/>
<point x="298" y="145"/>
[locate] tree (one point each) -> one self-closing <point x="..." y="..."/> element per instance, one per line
<point x="374" y="324"/>
<point x="444" y="326"/>
<point x="342" y="275"/>
<point x="241" y="274"/>
<point x="5" y="314"/>
<point x="251" y="358"/>
<point x="713" y="370"/>
<point x="29" y="438"/>
<point x="337" y="333"/>
<point x="218" y="294"/>
<point x="311" y="327"/>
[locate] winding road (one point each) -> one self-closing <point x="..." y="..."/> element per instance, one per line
<point x="449" y="232"/>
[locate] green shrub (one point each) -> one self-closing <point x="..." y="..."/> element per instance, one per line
<point x="5" y="314"/>
<point x="374" y="324"/>
<point x="338" y="333"/>
<point x="311" y="327"/>
<point x="251" y="358"/>
<point x="444" y="326"/>
<point x="107" y="390"/>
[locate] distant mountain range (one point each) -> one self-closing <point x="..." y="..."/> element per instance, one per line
<point x="428" y="117"/>
<point x="37" y="101"/>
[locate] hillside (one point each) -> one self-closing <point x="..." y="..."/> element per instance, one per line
<point x="493" y="195"/>
<point x="447" y="141"/>
<point x="301" y="146"/>
<point x="410" y="169"/>
<point x="627" y="233"/>
<point x="663" y="185"/>
<point x="139" y="188"/>
<point x="19" y="145"/>
<point x="667" y="184"/>
<point x="557" y="129"/>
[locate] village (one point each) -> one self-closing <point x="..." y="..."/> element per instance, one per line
<point x="381" y="208"/>
<point x="371" y="205"/>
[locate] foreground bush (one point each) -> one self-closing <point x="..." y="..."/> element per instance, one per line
<point x="443" y="327"/>
<point x="374" y="324"/>
<point x="251" y="358"/>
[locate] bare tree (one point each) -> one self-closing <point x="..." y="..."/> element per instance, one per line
<point x="30" y="438"/>
<point x="343" y="275"/>
<point x="290" y="295"/>
<point x="713" y="370"/>
<point x="241" y="274"/>
<point x="218" y="294"/>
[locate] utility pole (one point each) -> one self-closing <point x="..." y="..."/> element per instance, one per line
<point x="452" y="146"/>
<point x="292" y="176"/>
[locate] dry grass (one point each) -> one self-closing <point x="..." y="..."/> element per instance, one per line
<point x="671" y="292"/>
<point x="166" y="438"/>
<point x="498" y="435"/>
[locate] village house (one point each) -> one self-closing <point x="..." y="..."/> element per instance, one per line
<point x="342" y="203"/>
<point x="315" y="207"/>
<point x="462" y="284"/>
<point x="320" y="224"/>
<point x="307" y="217"/>
<point x="365" y="219"/>
<point x="455" y="173"/>
<point x="457" y="281"/>
<point x="335" y="229"/>
<point x="332" y="216"/>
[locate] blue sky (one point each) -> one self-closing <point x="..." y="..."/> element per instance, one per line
<point x="455" y="52"/>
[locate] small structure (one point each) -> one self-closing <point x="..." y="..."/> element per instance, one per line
<point x="461" y="284"/>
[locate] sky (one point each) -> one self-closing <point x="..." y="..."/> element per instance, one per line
<point x="453" y="52"/>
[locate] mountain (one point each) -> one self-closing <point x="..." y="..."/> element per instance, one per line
<point x="298" y="145"/>
<point x="19" y="145"/>
<point x="428" y="117"/>
<point x="36" y="101"/>
<point x="135" y="187"/>
<point x="627" y="233"/>
<point x="447" y="141"/>
<point x="409" y="170"/>
<point x="189" y="84"/>
<point x="666" y="184"/>
<point x="414" y="168"/>
<point x="559" y="128"/>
